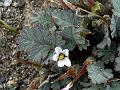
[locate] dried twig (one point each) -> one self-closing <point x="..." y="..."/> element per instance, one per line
<point x="8" y="27"/>
<point x="73" y="7"/>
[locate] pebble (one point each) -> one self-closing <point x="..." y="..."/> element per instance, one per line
<point x="7" y="3"/>
<point x="12" y="12"/>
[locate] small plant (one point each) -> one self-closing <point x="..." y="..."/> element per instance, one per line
<point x="77" y="42"/>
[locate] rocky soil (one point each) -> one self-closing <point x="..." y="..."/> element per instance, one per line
<point x="13" y="75"/>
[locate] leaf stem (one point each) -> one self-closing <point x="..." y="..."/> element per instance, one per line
<point x="73" y="7"/>
<point x="5" y="25"/>
<point x="82" y="72"/>
<point x="78" y="8"/>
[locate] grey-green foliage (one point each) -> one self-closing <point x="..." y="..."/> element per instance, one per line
<point x="55" y="86"/>
<point x="117" y="64"/>
<point x="116" y="6"/>
<point x="39" y="42"/>
<point x="113" y="86"/>
<point x="66" y="18"/>
<point x="106" y="40"/>
<point x="55" y="27"/>
<point x="107" y="54"/>
<point x="117" y="24"/>
<point x="113" y="27"/>
<point x="73" y="37"/>
<point x="95" y="87"/>
<point x="116" y="13"/>
<point x="98" y="74"/>
<point x="46" y="86"/>
<point x="42" y="17"/>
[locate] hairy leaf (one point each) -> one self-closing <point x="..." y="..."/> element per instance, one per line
<point x="66" y="18"/>
<point x="55" y="86"/>
<point x="106" y="41"/>
<point x="113" y="27"/>
<point x="95" y="87"/>
<point x="73" y="37"/>
<point x="107" y="54"/>
<point x="116" y="5"/>
<point x="118" y="49"/>
<point x="117" y="65"/>
<point x="39" y="42"/>
<point x="113" y="86"/>
<point x="98" y="74"/>
<point x="46" y="86"/>
<point x="42" y="17"/>
<point x="116" y="13"/>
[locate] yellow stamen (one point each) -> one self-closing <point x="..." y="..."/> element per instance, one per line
<point x="61" y="56"/>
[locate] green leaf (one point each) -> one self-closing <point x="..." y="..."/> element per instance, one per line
<point x="98" y="74"/>
<point x="118" y="49"/>
<point x="106" y="41"/>
<point x="116" y="6"/>
<point x="107" y="54"/>
<point x="72" y="37"/>
<point x="116" y="13"/>
<point x="39" y="42"/>
<point x="55" y="86"/>
<point x="95" y="87"/>
<point x="65" y="18"/>
<point x="117" y="65"/>
<point x="113" y="86"/>
<point x="113" y="27"/>
<point x="46" y="86"/>
<point x="42" y="17"/>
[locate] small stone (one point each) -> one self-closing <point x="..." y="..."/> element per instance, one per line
<point x="19" y="3"/>
<point x="11" y="82"/>
<point x="7" y="3"/>
<point x="15" y="4"/>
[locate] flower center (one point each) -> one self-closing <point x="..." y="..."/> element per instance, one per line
<point x="61" y="56"/>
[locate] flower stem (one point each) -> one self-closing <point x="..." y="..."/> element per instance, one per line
<point x="5" y="25"/>
<point x="73" y="7"/>
<point x="82" y="72"/>
<point x="78" y="8"/>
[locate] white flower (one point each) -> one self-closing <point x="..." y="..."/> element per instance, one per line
<point x="68" y="86"/>
<point x="62" y="57"/>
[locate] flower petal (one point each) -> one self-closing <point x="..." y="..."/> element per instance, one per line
<point x="58" y="50"/>
<point x="66" y="52"/>
<point x="67" y="62"/>
<point x="61" y="63"/>
<point x="55" y="57"/>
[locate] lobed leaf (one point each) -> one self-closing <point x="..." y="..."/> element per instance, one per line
<point x="106" y="40"/>
<point x="66" y="18"/>
<point x="113" y="86"/>
<point x="98" y="74"/>
<point x="42" y="17"/>
<point x="117" y="65"/>
<point x="72" y="37"/>
<point x="116" y="6"/>
<point x="95" y="87"/>
<point x="107" y="54"/>
<point x="39" y="42"/>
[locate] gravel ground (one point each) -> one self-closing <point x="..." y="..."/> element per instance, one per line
<point x="17" y="76"/>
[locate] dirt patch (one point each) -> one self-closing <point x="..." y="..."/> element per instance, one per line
<point x="12" y="75"/>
